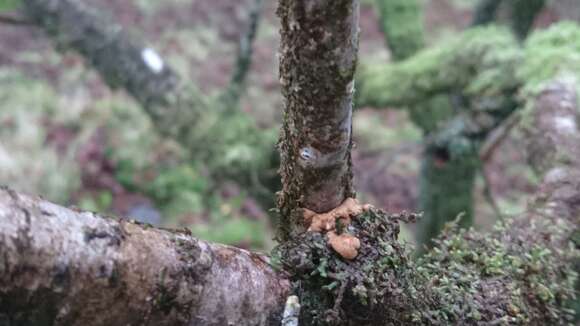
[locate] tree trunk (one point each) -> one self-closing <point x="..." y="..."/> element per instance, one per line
<point x="67" y="267"/>
<point x="318" y="55"/>
<point x="442" y="175"/>
<point x="485" y="12"/>
<point x="523" y="14"/>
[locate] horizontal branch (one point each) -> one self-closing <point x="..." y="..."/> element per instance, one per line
<point x="479" y="62"/>
<point x="72" y="267"/>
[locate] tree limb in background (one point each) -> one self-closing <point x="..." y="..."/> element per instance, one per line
<point x="243" y="62"/>
<point x="522" y="14"/>
<point x="79" y="268"/>
<point x="402" y="24"/>
<point x="478" y="63"/>
<point x="13" y="20"/>
<point x="227" y="141"/>
<point x="485" y="12"/>
<point x="441" y="175"/>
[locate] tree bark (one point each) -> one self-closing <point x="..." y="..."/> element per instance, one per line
<point x="67" y="267"/>
<point x="318" y="55"/>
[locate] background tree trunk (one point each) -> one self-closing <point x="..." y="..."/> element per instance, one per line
<point x="445" y="181"/>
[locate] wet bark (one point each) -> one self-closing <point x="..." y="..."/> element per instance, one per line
<point x="67" y="267"/>
<point x="318" y="55"/>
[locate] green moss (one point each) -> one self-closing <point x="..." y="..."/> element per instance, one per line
<point x="402" y="24"/>
<point x="480" y="61"/>
<point x="333" y="290"/>
<point x="470" y="273"/>
<point x="549" y="54"/>
<point x="510" y="275"/>
<point x="29" y="112"/>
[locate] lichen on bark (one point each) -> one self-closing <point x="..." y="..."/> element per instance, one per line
<point x="318" y="55"/>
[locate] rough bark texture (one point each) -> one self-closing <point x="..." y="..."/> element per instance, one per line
<point x="66" y="267"/>
<point x="61" y="266"/>
<point x="318" y="55"/>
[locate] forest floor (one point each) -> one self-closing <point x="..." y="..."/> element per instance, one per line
<point x="64" y="135"/>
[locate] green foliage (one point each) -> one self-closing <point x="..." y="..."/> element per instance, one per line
<point x="233" y="231"/>
<point x="401" y="21"/>
<point x="467" y="270"/>
<point x="479" y="62"/>
<point x="9" y="5"/>
<point x="333" y="290"/>
<point x="27" y="163"/>
<point x="509" y="276"/>
<point x="101" y="202"/>
<point x="551" y="53"/>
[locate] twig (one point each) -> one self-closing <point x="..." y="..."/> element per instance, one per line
<point x="488" y="195"/>
<point x="498" y="136"/>
<point x="244" y="58"/>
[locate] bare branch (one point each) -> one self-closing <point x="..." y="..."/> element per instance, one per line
<point x="73" y="267"/>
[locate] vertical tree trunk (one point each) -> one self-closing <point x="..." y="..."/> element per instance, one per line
<point x="485" y="12"/>
<point x="445" y="183"/>
<point x="446" y="190"/>
<point x="318" y="55"/>
<point x="523" y="15"/>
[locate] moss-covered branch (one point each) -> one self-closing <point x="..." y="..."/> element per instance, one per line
<point x="480" y="62"/>
<point x="225" y="139"/>
<point x="402" y="24"/>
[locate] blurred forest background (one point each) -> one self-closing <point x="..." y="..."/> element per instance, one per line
<point x="66" y="136"/>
